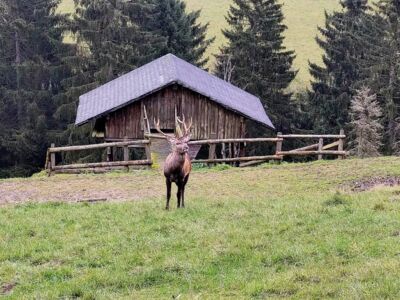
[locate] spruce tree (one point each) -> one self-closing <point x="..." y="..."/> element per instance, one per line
<point x="185" y="36"/>
<point x="366" y="125"/>
<point x="31" y="69"/>
<point x="382" y="69"/>
<point x="255" y="58"/>
<point x="334" y="81"/>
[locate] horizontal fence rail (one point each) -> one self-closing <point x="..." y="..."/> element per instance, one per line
<point x="98" y="146"/>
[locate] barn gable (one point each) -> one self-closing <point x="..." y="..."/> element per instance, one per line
<point x="165" y="71"/>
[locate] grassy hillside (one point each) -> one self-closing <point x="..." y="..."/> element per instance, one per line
<point x="294" y="230"/>
<point x="302" y="19"/>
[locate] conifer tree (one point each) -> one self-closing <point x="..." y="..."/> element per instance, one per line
<point x="31" y="71"/>
<point x="334" y="81"/>
<point x="381" y="66"/>
<point x="255" y="58"/>
<point x="185" y="36"/>
<point x="366" y="125"/>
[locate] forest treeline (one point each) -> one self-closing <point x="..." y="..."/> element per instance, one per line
<point x="41" y="76"/>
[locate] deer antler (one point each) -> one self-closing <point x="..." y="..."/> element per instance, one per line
<point x="183" y="122"/>
<point x="157" y="125"/>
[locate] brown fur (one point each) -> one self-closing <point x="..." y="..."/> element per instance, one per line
<point x="177" y="166"/>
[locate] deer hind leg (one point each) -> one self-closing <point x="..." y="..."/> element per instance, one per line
<point x="169" y="183"/>
<point x="183" y="190"/>
<point x="179" y="193"/>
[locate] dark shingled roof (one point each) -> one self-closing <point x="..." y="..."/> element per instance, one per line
<point x="160" y="73"/>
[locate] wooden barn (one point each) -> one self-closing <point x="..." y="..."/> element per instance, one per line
<point x="162" y="89"/>
<point x="123" y="112"/>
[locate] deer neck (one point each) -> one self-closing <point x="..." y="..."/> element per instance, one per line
<point x="179" y="157"/>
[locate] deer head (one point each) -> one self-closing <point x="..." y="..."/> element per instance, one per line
<point x="179" y="141"/>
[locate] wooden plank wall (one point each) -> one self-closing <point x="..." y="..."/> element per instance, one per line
<point x="125" y="122"/>
<point x="209" y="118"/>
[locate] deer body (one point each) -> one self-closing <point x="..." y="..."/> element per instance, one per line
<point x="178" y="165"/>
<point x="177" y="169"/>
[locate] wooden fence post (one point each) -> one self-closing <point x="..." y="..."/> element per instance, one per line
<point x="212" y="149"/>
<point x="126" y="152"/>
<point x="278" y="144"/>
<point x="109" y="154"/>
<point x="52" y="158"/>
<point x="341" y="144"/>
<point x="320" y="147"/>
<point x="148" y="152"/>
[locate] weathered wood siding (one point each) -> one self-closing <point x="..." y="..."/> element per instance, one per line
<point x="210" y="120"/>
<point x="125" y="122"/>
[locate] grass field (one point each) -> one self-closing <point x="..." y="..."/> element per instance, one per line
<point x="275" y="231"/>
<point x="302" y="19"/>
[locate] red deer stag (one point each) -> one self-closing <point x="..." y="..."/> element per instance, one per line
<point x="177" y="166"/>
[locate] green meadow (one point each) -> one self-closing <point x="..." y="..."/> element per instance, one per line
<point x="276" y="231"/>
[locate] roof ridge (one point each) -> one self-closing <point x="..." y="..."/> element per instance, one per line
<point x="213" y="76"/>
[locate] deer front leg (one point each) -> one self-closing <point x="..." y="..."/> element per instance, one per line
<point x="179" y="193"/>
<point x="169" y="183"/>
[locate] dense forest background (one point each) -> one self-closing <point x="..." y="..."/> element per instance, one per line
<point x="356" y="87"/>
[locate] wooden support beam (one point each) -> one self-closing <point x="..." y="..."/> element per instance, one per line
<point x="105" y="164"/>
<point x="331" y="145"/>
<point x="323" y="152"/>
<point x="252" y="163"/>
<point x="250" y="158"/>
<point x="310" y="147"/>
<point x="146" y="120"/>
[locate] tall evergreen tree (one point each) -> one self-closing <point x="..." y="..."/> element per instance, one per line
<point x="382" y="69"/>
<point x="334" y="81"/>
<point x="31" y="71"/>
<point x="255" y="58"/>
<point x="185" y="36"/>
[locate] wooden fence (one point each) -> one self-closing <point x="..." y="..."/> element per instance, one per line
<point x="232" y="151"/>
<point x="51" y="165"/>
<point x="318" y="149"/>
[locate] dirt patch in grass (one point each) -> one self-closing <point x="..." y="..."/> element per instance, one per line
<point x="81" y="188"/>
<point x="7" y="288"/>
<point x="374" y="182"/>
